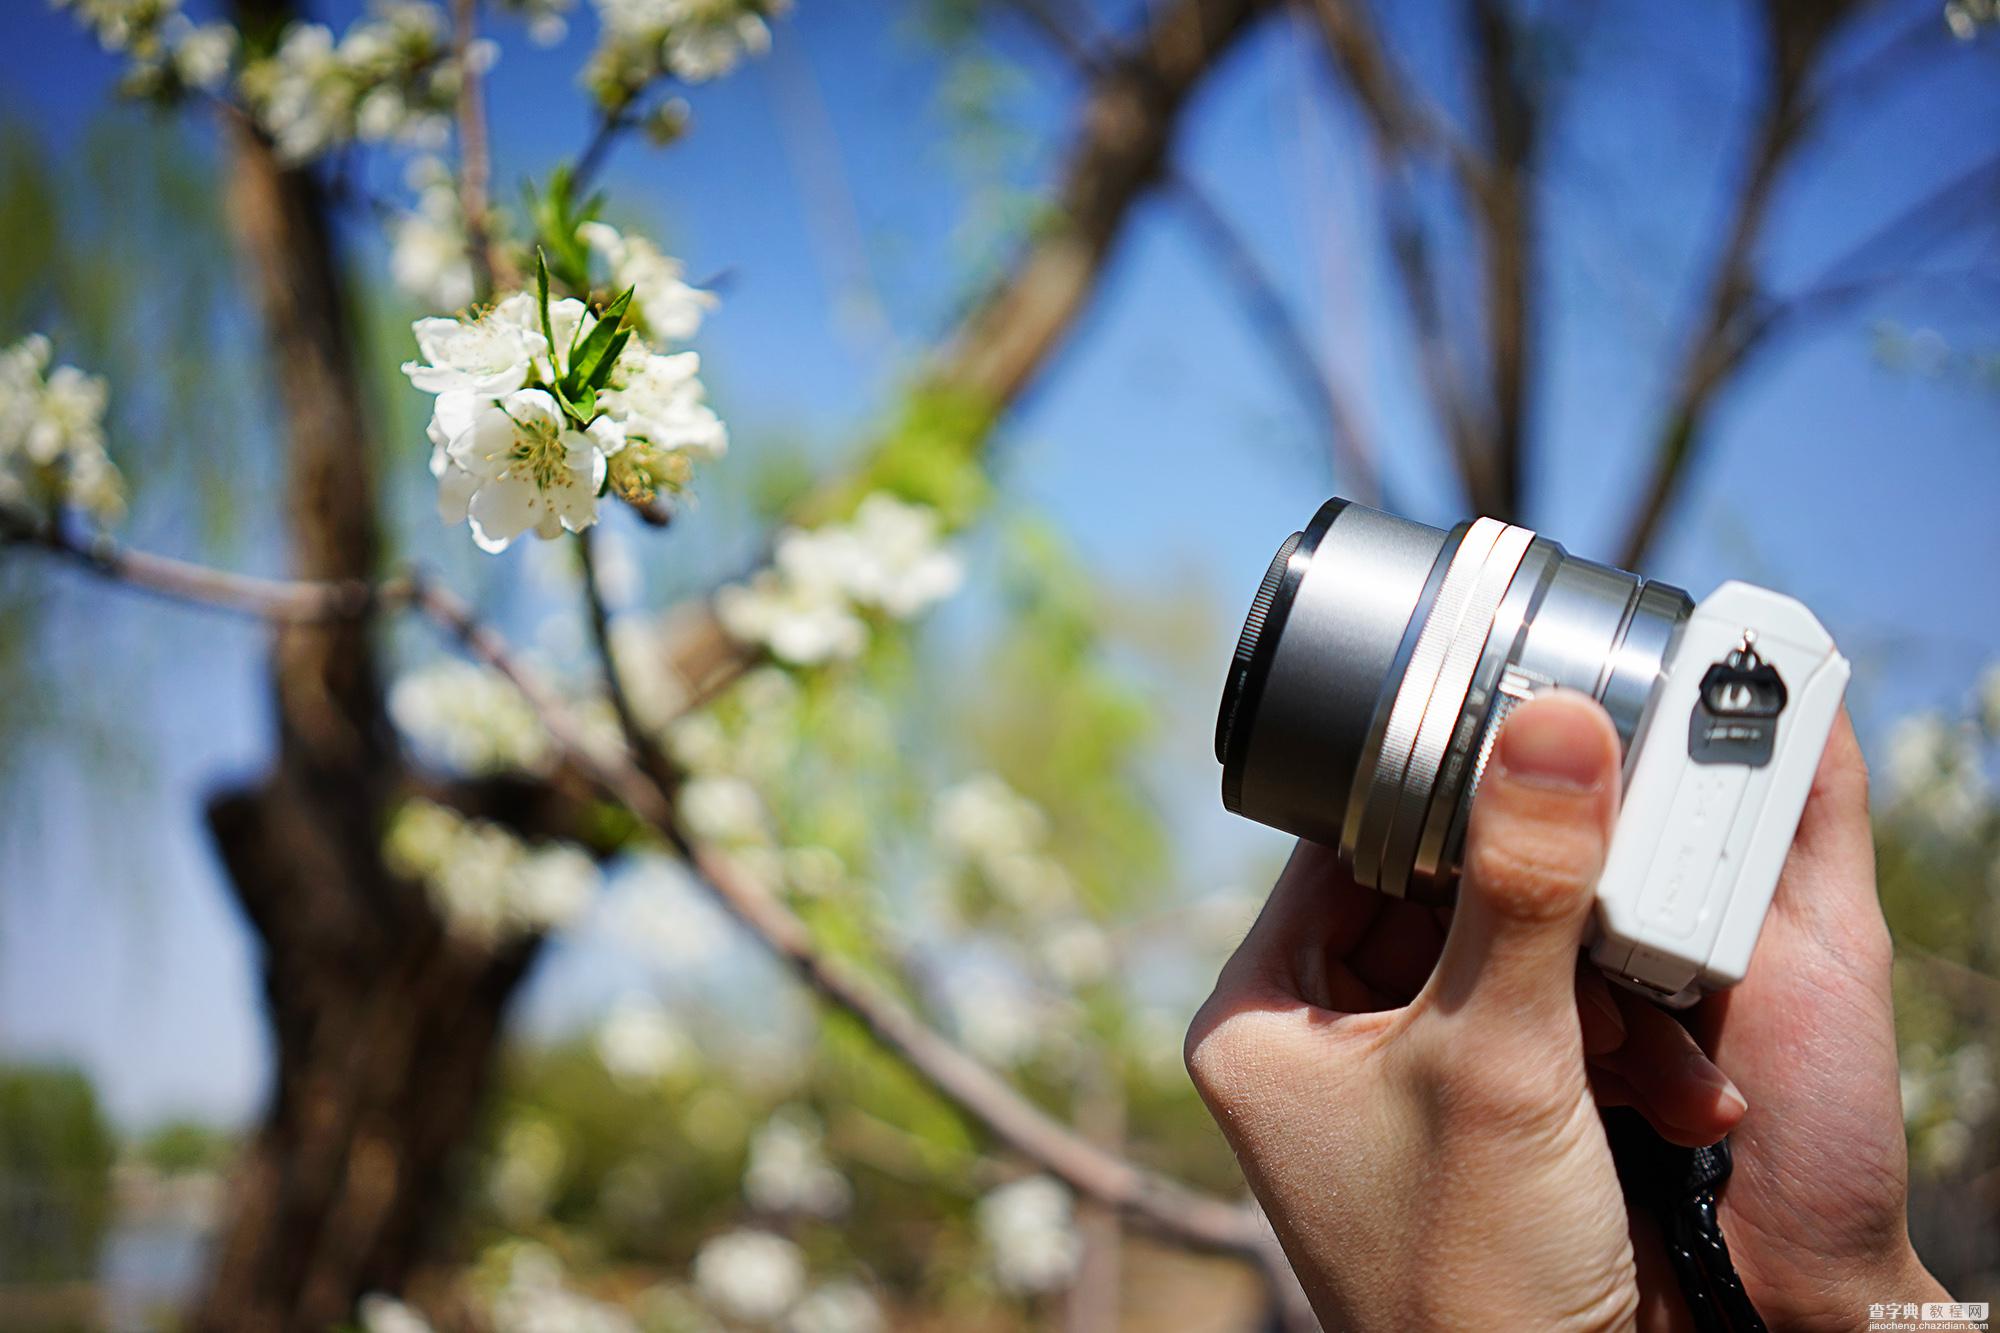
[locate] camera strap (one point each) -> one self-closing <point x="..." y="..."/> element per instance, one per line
<point x="1678" y="1187"/>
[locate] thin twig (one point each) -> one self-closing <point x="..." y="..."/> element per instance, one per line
<point x="642" y="745"/>
<point x="288" y="601"/>
<point x="1272" y="317"/>
<point x="1162" y="1205"/>
<point x="475" y="162"/>
<point x="610" y="124"/>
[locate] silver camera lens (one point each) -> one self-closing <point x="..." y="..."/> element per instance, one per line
<point x="1380" y="656"/>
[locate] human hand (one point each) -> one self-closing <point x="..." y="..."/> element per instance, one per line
<point x="1332" y="1028"/>
<point x="1410" y="1101"/>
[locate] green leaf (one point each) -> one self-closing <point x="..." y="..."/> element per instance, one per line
<point x="542" y="291"/>
<point x="590" y="353"/>
<point x="600" y="376"/>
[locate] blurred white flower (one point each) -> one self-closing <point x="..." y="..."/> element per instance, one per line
<point x="901" y="566"/>
<point x="1076" y="952"/>
<point x="694" y="40"/>
<point x="803" y="622"/>
<point x="486" y="882"/>
<point x="428" y="260"/>
<point x="526" y="1170"/>
<point x="805" y="607"/>
<point x="788" y="1171"/>
<point x="470" y="716"/>
<point x="202" y="53"/>
<point x="640" y="1043"/>
<point x="536" y="1300"/>
<point x="386" y="1314"/>
<point x="1934" y="771"/>
<point x="982" y="818"/>
<point x="1030" y="1235"/>
<point x="753" y="1276"/>
<point x="998" y="1017"/>
<point x="667" y="307"/>
<point x="837" y="1307"/>
<point x="723" y="809"/>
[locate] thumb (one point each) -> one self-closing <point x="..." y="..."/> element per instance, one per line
<point x="1534" y="848"/>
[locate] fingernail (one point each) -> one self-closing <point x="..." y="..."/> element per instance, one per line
<point x="1603" y="1025"/>
<point x="1728" y="1097"/>
<point x="1553" y="744"/>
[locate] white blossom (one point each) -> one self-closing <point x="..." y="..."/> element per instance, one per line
<point x="837" y="1307"/>
<point x="201" y="53"/>
<point x="536" y="1300"/>
<point x="808" y="607"/>
<point x="1934" y="771"/>
<point x="723" y="809"/>
<point x="486" y="882"/>
<point x="788" y="1172"/>
<point x="666" y="306"/>
<point x="982" y="817"/>
<point x="900" y="566"/>
<point x="753" y="1276"/>
<point x="472" y="717"/>
<point x="386" y="1314"/>
<point x="52" y="445"/>
<point x="390" y="77"/>
<point x="1030" y="1234"/>
<point x="996" y="1014"/>
<point x="509" y="458"/>
<point x="640" y="1043"/>
<point x="693" y="40"/>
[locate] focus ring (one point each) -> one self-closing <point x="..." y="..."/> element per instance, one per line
<point x="1406" y="712"/>
<point x="1446" y="703"/>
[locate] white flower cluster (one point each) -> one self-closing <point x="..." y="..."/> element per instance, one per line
<point x="52" y="435"/>
<point x="640" y="1043"/>
<point x="1966" y="17"/>
<point x="170" y="53"/>
<point x="471" y="717"/>
<point x="840" y="1306"/>
<point x="537" y="1300"/>
<point x="788" y="1171"/>
<point x="663" y="304"/>
<point x="811" y="605"/>
<point x="691" y="40"/>
<point x="390" y="78"/>
<point x="548" y="20"/>
<point x="1935" y="772"/>
<point x="486" y="882"/>
<point x="753" y="1276"/>
<point x="509" y="458"/>
<point x="386" y="1314"/>
<point x="1030" y="1234"/>
<point x="428" y="260"/>
<point x="1002" y="836"/>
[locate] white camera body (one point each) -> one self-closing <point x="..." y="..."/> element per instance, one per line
<point x="1717" y="779"/>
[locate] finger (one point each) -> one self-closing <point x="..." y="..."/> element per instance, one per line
<point x="1397" y="954"/>
<point x="1679" y="1090"/>
<point x="1534" y="848"/>
<point x="1316" y="912"/>
<point x="1834" y="834"/>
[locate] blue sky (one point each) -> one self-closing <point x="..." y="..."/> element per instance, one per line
<point x="821" y="183"/>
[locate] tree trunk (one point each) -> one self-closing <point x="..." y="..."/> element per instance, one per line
<point x="385" y="1026"/>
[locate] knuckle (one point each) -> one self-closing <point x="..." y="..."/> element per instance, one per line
<point x="1233" y="1059"/>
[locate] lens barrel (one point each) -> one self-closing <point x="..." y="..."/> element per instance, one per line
<point x="1380" y="655"/>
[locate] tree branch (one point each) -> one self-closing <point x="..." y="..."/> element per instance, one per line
<point x="475" y="163"/>
<point x="1272" y="317"/>
<point x="1161" y="1204"/>
<point x="1403" y="132"/>
<point x="285" y="601"/>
